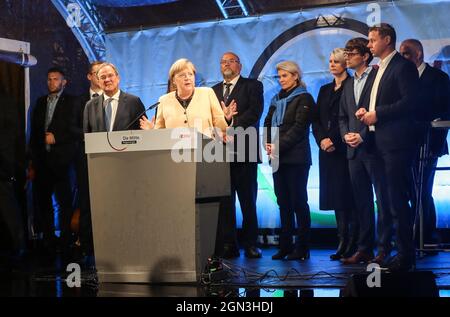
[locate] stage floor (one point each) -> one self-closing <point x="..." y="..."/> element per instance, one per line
<point x="318" y="277"/>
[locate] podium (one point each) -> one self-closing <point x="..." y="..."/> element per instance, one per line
<point x="154" y="203"/>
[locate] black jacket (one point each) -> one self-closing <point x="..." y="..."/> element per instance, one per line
<point x="248" y="94"/>
<point x="434" y="102"/>
<point x="293" y="144"/>
<point x="62" y="153"/>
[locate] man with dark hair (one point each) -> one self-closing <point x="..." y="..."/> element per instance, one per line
<point x="9" y="209"/>
<point x="85" y="224"/>
<point x="248" y="95"/>
<point x="365" y="168"/>
<point x="434" y="103"/>
<point x="53" y="148"/>
<point x="391" y="116"/>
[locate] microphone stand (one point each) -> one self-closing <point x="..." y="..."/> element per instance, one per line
<point x="142" y="113"/>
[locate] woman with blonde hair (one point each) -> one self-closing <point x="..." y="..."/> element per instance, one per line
<point x="289" y="113"/>
<point x="190" y="106"/>
<point x="335" y="187"/>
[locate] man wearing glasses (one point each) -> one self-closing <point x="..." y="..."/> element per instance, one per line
<point x="364" y="166"/>
<point x="248" y="95"/>
<point x="115" y="109"/>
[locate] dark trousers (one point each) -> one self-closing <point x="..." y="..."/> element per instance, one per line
<point x="290" y="182"/>
<point x="398" y="171"/>
<point x="243" y="179"/>
<point x="85" y="233"/>
<point x="364" y="174"/>
<point x="55" y="181"/>
<point x="11" y="216"/>
<point x="429" y="209"/>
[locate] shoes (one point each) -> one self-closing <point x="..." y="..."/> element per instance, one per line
<point x="299" y="254"/>
<point x="280" y="255"/>
<point x="342" y="247"/>
<point x="399" y="264"/>
<point x="230" y="252"/>
<point x="252" y="252"/>
<point x="358" y="257"/>
<point x="381" y="258"/>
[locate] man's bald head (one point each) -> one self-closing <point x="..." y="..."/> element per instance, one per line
<point x="412" y="50"/>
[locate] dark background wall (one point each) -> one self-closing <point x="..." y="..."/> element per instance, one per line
<point x="52" y="43"/>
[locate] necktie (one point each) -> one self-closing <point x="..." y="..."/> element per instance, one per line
<point x="227" y="92"/>
<point x="108" y="113"/>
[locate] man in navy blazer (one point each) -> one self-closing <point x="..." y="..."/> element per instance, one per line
<point x="115" y="110"/>
<point x="434" y="103"/>
<point x="391" y="114"/>
<point x="248" y="95"/>
<point x="364" y="165"/>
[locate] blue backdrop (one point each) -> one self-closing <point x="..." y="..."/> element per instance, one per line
<point x="144" y="58"/>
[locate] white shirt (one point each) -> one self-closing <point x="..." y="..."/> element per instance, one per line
<point x="114" y="105"/>
<point x="421" y="69"/>
<point x="233" y="83"/>
<point x="91" y="93"/>
<point x="383" y="64"/>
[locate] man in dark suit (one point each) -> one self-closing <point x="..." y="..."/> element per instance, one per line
<point x="115" y="110"/>
<point x="391" y="117"/>
<point x="365" y="168"/>
<point x="9" y="209"/>
<point x="53" y="148"/>
<point x="85" y="225"/>
<point x="434" y="103"/>
<point x="248" y="96"/>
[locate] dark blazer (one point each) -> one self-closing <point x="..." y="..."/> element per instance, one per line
<point x="129" y="108"/>
<point x="62" y="153"/>
<point x="326" y="116"/>
<point x="294" y="145"/>
<point x="8" y="129"/>
<point x="434" y="102"/>
<point x="396" y="106"/>
<point x="248" y="94"/>
<point x="347" y="109"/>
<point x="78" y="116"/>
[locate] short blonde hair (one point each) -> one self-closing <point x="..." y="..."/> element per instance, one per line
<point x="339" y="55"/>
<point x="293" y="68"/>
<point x="180" y="65"/>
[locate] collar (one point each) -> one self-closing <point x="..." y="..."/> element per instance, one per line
<point x="58" y="94"/>
<point x="385" y="62"/>
<point x="91" y="92"/>
<point x="421" y="68"/>
<point x="364" y="73"/>
<point x="114" y="97"/>
<point x="233" y="82"/>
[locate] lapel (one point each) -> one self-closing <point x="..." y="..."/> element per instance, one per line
<point x="120" y="113"/>
<point x="351" y="93"/>
<point x="386" y="74"/>
<point x="218" y="89"/>
<point x="58" y="108"/>
<point x="367" y="88"/>
<point x="235" y="91"/>
<point x="100" y="114"/>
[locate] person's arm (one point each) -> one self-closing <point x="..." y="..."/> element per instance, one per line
<point x="159" y="121"/>
<point x="62" y="130"/>
<point x="318" y="129"/>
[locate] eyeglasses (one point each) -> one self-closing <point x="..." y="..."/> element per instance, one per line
<point x="185" y="75"/>
<point x="228" y="61"/>
<point x="350" y="54"/>
<point x="109" y="76"/>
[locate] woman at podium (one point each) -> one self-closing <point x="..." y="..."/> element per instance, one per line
<point x="189" y="106"/>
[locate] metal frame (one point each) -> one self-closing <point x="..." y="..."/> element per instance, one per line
<point x="86" y="26"/>
<point x="232" y="8"/>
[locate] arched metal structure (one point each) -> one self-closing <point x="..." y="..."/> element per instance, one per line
<point x="82" y="18"/>
<point x="232" y="8"/>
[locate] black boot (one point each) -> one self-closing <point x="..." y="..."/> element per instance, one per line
<point x="340" y="251"/>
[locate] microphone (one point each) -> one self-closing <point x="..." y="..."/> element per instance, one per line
<point x="142" y="113"/>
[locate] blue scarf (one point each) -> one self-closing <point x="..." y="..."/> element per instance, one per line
<point x="280" y="105"/>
